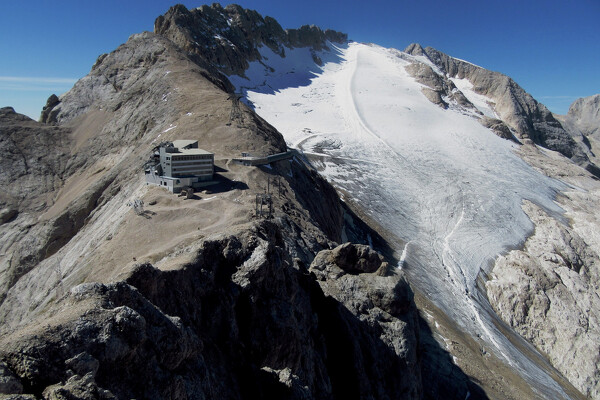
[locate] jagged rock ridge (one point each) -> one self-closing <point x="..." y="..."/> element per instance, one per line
<point x="244" y="322"/>
<point x="527" y="118"/>
<point x="228" y="38"/>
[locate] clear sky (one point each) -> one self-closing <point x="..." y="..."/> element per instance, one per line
<point x="550" y="47"/>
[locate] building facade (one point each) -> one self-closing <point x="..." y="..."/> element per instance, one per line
<point x="180" y="164"/>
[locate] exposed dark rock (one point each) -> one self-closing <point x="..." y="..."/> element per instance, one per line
<point x="9" y="383"/>
<point x="47" y="115"/>
<point x="227" y="39"/>
<point x="498" y="126"/>
<point x="239" y="321"/>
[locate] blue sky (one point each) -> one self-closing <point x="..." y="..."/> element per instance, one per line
<point x="550" y="47"/>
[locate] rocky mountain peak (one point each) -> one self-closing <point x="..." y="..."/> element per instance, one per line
<point x="228" y="38"/>
<point x="585" y="113"/>
<point x="526" y="118"/>
<point x="415" y="49"/>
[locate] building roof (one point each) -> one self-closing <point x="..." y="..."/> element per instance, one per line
<point x="191" y="152"/>
<point x="181" y="143"/>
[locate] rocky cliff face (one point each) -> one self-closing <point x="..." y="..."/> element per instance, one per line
<point x="519" y="111"/>
<point x="583" y="122"/>
<point x="548" y="289"/>
<point x="549" y="293"/>
<point x="228" y="38"/>
<point x="585" y="113"/>
<point x="241" y="320"/>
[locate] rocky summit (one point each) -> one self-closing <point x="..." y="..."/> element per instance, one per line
<point x="271" y="280"/>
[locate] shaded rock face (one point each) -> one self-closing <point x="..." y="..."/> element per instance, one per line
<point x="47" y="115"/>
<point x="363" y="284"/>
<point x="519" y="111"/>
<point x="227" y="39"/>
<point x="240" y="321"/>
<point x="36" y="161"/>
<point x="548" y="292"/>
<point x="498" y="126"/>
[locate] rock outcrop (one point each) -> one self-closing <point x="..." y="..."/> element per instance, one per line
<point x="241" y="320"/>
<point x="47" y="116"/>
<point x="527" y="118"/>
<point x="585" y="113"/>
<point x="548" y="292"/>
<point x="583" y="123"/>
<point x="379" y="296"/>
<point x="438" y="87"/>
<point x="226" y="39"/>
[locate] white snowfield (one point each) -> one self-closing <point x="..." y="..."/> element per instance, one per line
<point x="449" y="188"/>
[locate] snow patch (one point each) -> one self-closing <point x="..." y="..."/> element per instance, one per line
<point x="171" y="127"/>
<point x="483" y="103"/>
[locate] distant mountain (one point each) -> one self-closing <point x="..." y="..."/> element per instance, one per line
<point x="583" y="123"/>
<point x="585" y="113"/>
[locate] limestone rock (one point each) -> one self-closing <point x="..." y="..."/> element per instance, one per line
<point x="238" y="321"/>
<point x="227" y="39"/>
<point x="583" y="124"/>
<point x="37" y="157"/>
<point x="585" y="113"/>
<point x="352" y="258"/>
<point x="439" y="89"/>
<point x="47" y="115"/>
<point x="77" y="387"/>
<point x="548" y="292"/>
<point x="83" y="364"/>
<point x="498" y="126"/>
<point x="348" y="274"/>
<point x="527" y="118"/>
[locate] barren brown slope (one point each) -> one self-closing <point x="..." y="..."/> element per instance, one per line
<point x="145" y="92"/>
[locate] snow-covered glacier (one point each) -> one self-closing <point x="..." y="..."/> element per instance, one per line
<point x="446" y="187"/>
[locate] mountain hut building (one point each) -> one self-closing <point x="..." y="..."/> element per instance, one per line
<point x="180" y="164"/>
